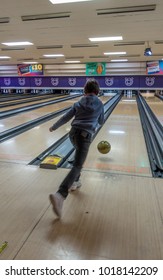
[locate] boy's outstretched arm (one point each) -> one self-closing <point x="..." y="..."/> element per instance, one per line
<point x="64" y="119"/>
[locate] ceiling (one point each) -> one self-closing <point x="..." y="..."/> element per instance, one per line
<point x="67" y="29"/>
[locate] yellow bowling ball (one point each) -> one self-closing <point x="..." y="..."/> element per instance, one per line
<point x="104" y="147"/>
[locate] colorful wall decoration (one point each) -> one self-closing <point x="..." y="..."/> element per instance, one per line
<point x="30" y="69"/>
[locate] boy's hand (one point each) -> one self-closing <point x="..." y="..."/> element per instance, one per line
<point x="50" y="129"/>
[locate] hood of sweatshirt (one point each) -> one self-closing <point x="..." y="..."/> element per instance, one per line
<point x="90" y="103"/>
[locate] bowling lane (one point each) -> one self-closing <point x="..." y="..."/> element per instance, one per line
<point x="11" y="99"/>
<point x="156" y="106"/>
<point x="30" y="103"/>
<point x="25" y="147"/>
<point x="13" y="121"/>
<point x="123" y="131"/>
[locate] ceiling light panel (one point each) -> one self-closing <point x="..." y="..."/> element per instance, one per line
<point x="72" y="61"/>
<point x="118" y="60"/>
<point x="105" y="39"/>
<point x="67" y="1"/>
<point x="114" y="53"/>
<point x="53" y="55"/>
<point x="30" y="62"/>
<point x="18" y="43"/>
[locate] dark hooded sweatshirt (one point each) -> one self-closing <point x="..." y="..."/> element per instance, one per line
<point x="88" y="113"/>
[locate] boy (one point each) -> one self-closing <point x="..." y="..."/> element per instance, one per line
<point x="88" y="112"/>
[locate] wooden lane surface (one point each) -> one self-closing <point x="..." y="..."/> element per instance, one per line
<point x="33" y="114"/>
<point x="16" y="120"/>
<point x="30" y="103"/>
<point x="33" y="98"/>
<point x="11" y="97"/>
<point x="118" y="217"/>
<point x="156" y="106"/>
<point x="128" y="153"/>
<point x="25" y="147"/>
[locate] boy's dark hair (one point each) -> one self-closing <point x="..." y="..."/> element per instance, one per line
<point x="92" y="86"/>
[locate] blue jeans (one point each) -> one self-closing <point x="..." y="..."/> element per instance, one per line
<point x="81" y="141"/>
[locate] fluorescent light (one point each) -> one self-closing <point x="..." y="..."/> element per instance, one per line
<point x="4" y="57"/>
<point x="104" y="39"/>
<point x="9" y="72"/>
<point x="116" y="131"/>
<point x="128" y="100"/>
<point x="114" y="53"/>
<point x="72" y="61"/>
<point x="65" y="71"/>
<point x="17" y="43"/>
<point x="53" y="55"/>
<point x="67" y="1"/>
<point x="120" y="60"/>
<point x="30" y="62"/>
